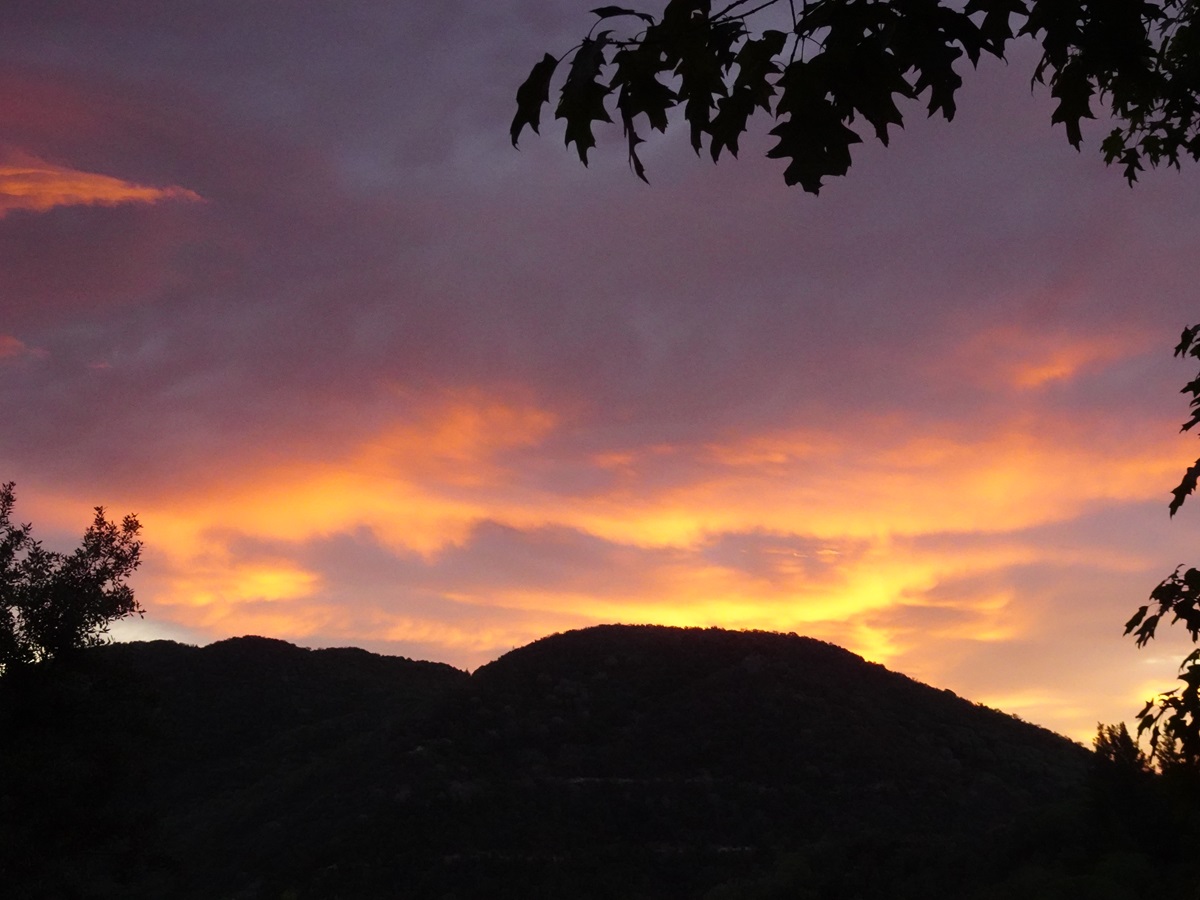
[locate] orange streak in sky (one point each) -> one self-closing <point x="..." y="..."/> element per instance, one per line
<point x="1017" y="358"/>
<point x="424" y="484"/>
<point x="29" y="183"/>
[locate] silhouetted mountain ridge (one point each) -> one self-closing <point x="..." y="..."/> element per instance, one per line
<point x="615" y="761"/>
<point x="785" y="698"/>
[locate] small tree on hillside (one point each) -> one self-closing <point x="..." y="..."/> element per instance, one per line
<point x="1114" y="745"/>
<point x="52" y="603"/>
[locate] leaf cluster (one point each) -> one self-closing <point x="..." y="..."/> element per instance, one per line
<point x="1152" y="55"/>
<point x="1172" y="719"/>
<point x="840" y="61"/>
<point x="1188" y="346"/>
<point x="52" y="603"/>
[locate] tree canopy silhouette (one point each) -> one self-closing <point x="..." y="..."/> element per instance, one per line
<point x="52" y="603"/>
<point x="818" y="66"/>
<point x="1173" y="717"/>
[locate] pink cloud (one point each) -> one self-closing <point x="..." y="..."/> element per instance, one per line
<point x="12" y="350"/>
<point x="10" y="347"/>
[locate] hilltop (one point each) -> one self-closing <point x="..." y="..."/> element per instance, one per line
<point x="615" y="761"/>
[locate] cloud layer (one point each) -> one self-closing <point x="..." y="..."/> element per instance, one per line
<point x="391" y="383"/>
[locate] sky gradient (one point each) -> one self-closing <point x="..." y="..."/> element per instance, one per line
<point x="273" y="279"/>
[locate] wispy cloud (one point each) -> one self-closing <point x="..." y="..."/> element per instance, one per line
<point x="30" y="183"/>
<point x="10" y="347"/>
<point x="13" y="350"/>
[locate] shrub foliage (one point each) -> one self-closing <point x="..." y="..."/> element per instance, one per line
<point x="53" y="603"/>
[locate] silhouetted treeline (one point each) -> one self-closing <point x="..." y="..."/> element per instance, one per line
<point x="616" y="761"/>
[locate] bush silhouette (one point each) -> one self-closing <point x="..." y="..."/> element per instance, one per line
<point x="53" y="603"/>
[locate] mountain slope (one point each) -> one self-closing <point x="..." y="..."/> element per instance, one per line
<point x="617" y="761"/>
<point x="709" y="744"/>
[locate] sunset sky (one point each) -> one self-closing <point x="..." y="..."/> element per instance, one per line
<point x="273" y="278"/>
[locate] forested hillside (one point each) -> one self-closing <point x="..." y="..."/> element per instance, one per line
<point x="617" y="761"/>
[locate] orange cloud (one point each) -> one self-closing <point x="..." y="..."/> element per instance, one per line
<point x="1018" y="358"/>
<point x="29" y="183"/>
<point x="456" y="442"/>
<point x="422" y="484"/>
<point x="902" y="482"/>
<point x="419" y="484"/>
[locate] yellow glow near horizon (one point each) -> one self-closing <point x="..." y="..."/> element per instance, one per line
<point x="423" y="486"/>
<point x="232" y="583"/>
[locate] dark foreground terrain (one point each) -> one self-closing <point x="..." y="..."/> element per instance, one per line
<point x="614" y="762"/>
